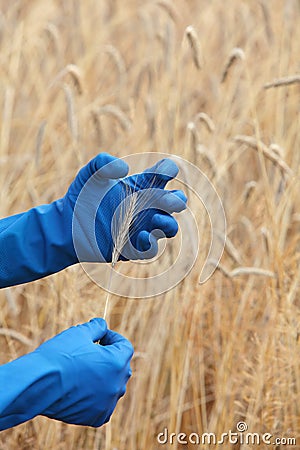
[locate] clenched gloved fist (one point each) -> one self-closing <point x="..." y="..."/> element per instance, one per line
<point x="78" y="227"/>
<point x="68" y="378"/>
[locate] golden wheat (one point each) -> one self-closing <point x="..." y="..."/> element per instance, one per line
<point x="78" y="78"/>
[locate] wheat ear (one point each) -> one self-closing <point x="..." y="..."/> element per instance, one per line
<point x="286" y="81"/>
<point x="120" y="232"/>
<point x="123" y="220"/>
<point x="194" y="42"/>
<point x="235" y="54"/>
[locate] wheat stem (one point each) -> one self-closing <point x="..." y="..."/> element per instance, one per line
<point x="123" y="219"/>
<point x="286" y="81"/>
<point x="16" y="335"/>
<point x="105" y="314"/>
<point x="236" y="53"/>
<point x="194" y="42"/>
<point x="255" y="144"/>
<point x="118" y="114"/>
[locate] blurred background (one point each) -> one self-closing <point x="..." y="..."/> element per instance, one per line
<point x="195" y="79"/>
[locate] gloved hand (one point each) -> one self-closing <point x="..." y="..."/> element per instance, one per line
<point x="40" y="241"/>
<point x="68" y="378"/>
<point x="99" y="197"/>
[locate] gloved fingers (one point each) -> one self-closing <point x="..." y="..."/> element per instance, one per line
<point x="142" y="245"/>
<point x="172" y="201"/>
<point x="147" y="244"/>
<point x="112" y="338"/>
<point x="165" y="223"/>
<point x="167" y="201"/>
<point x="106" y="166"/>
<point x="157" y="175"/>
<point x="96" y="328"/>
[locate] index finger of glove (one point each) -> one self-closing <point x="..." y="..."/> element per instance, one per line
<point x="171" y="201"/>
<point x="96" y="328"/>
<point x="158" y="175"/>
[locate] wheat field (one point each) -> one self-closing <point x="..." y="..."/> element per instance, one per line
<point x="217" y="83"/>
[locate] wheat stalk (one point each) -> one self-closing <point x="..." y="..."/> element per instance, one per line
<point x="239" y="271"/>
<point x="206" y="156"/>
<point x="119" y="62"/>
<point x="230" y="249"/>
<point x="236" y="53"/>
<point x="118" y="114"/>
<point x="144" y="74"/>
<point x="286" y="81"/>
<point x="203" y="117"/>
<point x="169" y="8"/>
<point x="7" y="112"/>
<point x="11" y="300"/>
<point x="200" y="149"/>
<point x="151" y="116"/>
<point x="194" y="42"/>
<point x="194" y="138"/>
<point x="97" y="125"/>
<point x="125" y="216"/>
<point x="120" y="233"/>
<point x="39" y="142"/>
<point x="72" y="120"/>
<point x="249" y="188"/>
<point x="75" y="74"/>
<point x="16" y="335"/>
<point x="54" y="36"/>
<point x="121" y="226"/>
<point x="266" y="151"/>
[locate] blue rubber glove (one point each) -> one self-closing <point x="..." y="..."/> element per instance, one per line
<point x="40" y="241"/>
<point x="68" y="378"/>
<point x="98" y="192"/>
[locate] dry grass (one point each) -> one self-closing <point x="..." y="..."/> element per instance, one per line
<point x="81" y="77"/>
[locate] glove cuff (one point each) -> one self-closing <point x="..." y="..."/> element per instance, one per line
<point x="36" y="243"/>
<point x="28" y="385"/>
